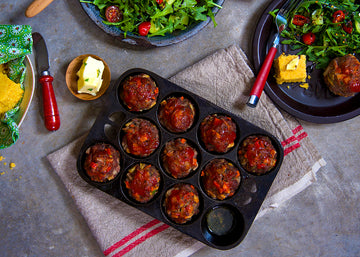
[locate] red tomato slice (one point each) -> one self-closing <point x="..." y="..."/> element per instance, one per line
<point x="113" y="14"/>
<point x="144" y="28"/>
<point x="338" y="16"/>
<point x="348" y="27"/>
<point x="300" y="20"/>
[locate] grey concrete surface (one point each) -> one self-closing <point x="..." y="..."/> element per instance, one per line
<point x="39" y="218"/>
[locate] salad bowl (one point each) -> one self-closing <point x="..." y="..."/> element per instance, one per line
<point x="145" y="41"/>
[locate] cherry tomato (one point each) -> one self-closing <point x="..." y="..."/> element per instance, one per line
<point x="300" y="20"/>
<point x="159" y="1"/>
<point x="338" y="16"/>
<point x="348" y="27"/>
<point x="308" y="38"/>
<point x="113" y="13"/>
<point x="144" y="28"/>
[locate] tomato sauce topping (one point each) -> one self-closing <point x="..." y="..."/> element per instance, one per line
<point x="179" y="158"/>
<point x="176" y="114"/>
<point x="142" y="182"/>
<point x="218" y="133"/>
<point x="139" y="92"/>
<point x="257" y="154"/>
<point x="342" y="76"/>
<point x="141" y="137"/>
<point x="181" y="203"/>
<point x="102" y="162"/>
<point x="220" y="179"/>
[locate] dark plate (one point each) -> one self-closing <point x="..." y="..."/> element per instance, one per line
<point x="93" y="12"/>
<point x="316" y="104"/>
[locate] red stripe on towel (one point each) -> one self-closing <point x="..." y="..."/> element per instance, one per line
<point x="130" y="236"/>
<point x="301" y="136"/>
<point x="141" y="240"/>
<point x="291" y="148"/>
<point x="297" y="129"/>
<point x="288" y="141"/>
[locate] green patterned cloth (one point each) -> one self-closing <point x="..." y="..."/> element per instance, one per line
<point x="15" y="43"/>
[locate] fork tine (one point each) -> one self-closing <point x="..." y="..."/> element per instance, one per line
<point x="293" y="6"/>
<point x="284" y="7"/>
<point x="288" y="7"/>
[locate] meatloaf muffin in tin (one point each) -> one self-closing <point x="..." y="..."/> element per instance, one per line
<point x="257" y="154"/>
<point x="102" y="162"/>
<point x="139" y="92"/>
<point x="220" y="179"/>
<point x="176" y="114"/>
<point x="218" y="133"/>
<point x="140" y="137"/>
<point x="179" y="158"/>
<point x="142" y="182"/>
<point x="181" y="203"/>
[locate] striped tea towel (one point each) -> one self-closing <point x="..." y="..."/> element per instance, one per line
<point x="225" y="79"/>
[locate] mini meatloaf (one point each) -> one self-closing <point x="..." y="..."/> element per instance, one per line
<point x="139" y="92"/>
<point x="102" y="162"/>
<point x="220" y="179"/>
<point x="176" y="114"/>
<point x="181" y="203"/>
<point x="140" y="137"/>
<point x="342" y="76"/>
<point x="257" y="154"/>
<point x="179" y="158"/>
<point x="142" y="182"/>
<point x="218" y="133"/>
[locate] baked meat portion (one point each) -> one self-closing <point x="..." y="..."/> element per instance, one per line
<point x="179" y="158"/>
<point x="218" y="133"/>
<point x="181" y="203"/>
<point x="139" y="92"/>
<point x="102" y="162"/>
<point x="342" y="76"/>
<point x="142" y="182"/>
<point x="140" y="137"/>
<point x="257" y="154"/>
<point x="176" y="114"/>
<point x="220" y="179"/>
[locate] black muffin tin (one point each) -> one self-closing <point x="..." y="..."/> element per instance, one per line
<point x="242" y="206"/>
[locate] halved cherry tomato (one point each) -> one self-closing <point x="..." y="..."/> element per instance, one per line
<point x="348" y="27"/>
<point x="144" y="28"/>
<point x="159" y="1"/>
<point x="308" y="38"/>
<point x="299" y="20"/>
<point x="113" y="14"/>
<point x="338" y="16"/>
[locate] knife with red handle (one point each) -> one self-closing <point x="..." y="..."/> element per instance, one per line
<point x="50" y="109"/>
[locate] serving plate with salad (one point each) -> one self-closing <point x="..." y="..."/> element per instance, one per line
<point x="313" y="30"/>
<point x="152" y="23"/>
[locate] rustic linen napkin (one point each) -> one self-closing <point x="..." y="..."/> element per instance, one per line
<point x="225" y="79"/>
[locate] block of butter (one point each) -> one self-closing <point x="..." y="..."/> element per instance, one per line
<point x="90" y="76"/>
<point x="290" y="68"/>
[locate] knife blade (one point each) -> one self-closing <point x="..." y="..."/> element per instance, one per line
<point x="50" y="109"/>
